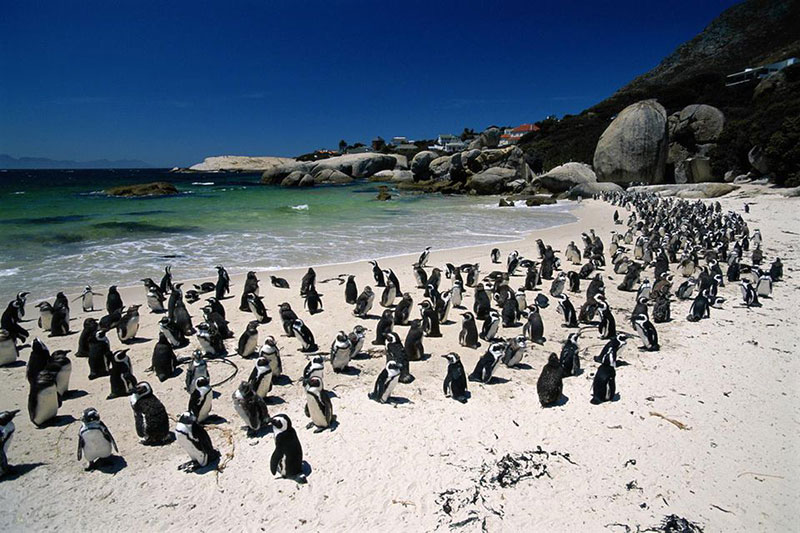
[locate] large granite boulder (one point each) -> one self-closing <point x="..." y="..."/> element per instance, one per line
<point x="562" y="178"/>
<point x="294" y="178"/>
<point x="240" y="163"/>
<point x="589" y="189"/>
<point x="333" y="176"/>
<point x="401" y="161"/>
<point x="634" y="146"/>
<point x="394" y="176"/>
<point x="420" y="165"/>
<point x="490" y="138"/>
<point x="689" y="190"/>
<point x="357" y="165"/>
<point x="156" y="188"/>
<point x="491" y="181"/>
<point x="705" y="122"/>
<point x="758" y="159"/>
<point x="439" y="168"/>
<point x="277" y="173"/>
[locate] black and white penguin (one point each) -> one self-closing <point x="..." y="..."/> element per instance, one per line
<point x="573" y="254"/>
<point x="87" y="299"/>
<point x="385" y="325"/>
<point x="396" y="352"/>
<point x="38" y="360"/>
<point x="422" y="262"/>
<point x="195" y="441"/>
<point x="172" y="333"/>
<point x="764" y="285"/>
<point x="389" y="294"/>
<point x="495" y="257"/>
<point x="59" y="322"/>
<point x="604" y="385"/>
<point x="534" y="327"/>
<point x="550" y="384"/>
<point x="511" y="312"/>
<point x="386" y="382"/>
<point x="151" y="286"/>
<point x="7" y="430"/>
<point x="164" y="362"/>
<point x="390" y="276"/>
<point x="402" y="311"/>
<point x="515" y="351"/>
<point x="210" y="340"/>
<point x="350" y="290"/>
<point x="455" y="381"/>
<point x="557" y="287"/>
<point x="647" y="332"/>
<point x="749" y="294"/>
<point x="313" y="301"/>
<point x="287" y="459"/>
<point x="155" y="301"/>
<point x="279" y="283"/>
<point x="413" y="343"/>
<point x="472" y="273"/>
<point x="212" y="315"/>
<point x="95" y="442"/>
<point x="100" y="355"/>
<point x="486" y="365"/>
<point x="113" y="300"/>
<point x="364" y="302"/>
<point x="574" y="281"/>
<point x="9" y="353"/>
<point x="175" y="296"/>
<point x="776" y="270"/>
<point x="469" y="331"/>
<point x="490" y="326"/>
<point x="341" y="351"/>
<point x="288" y="316"/>
<point x="700" y="307"/>
<point x="223" y="285"/>
<point x="166" y="281"/>
<point x="309" y="280"/>
<point x="182" y="319"/>
<point x="152" y="422"/>
<point x="43" y="401"/>
<point x="570" y="359"/>
<point x="567" y="310"/>
<point x="128" y="326"/>
<point x="302" y="332"/>
<point x="421" y="277"/>
<point x="482" y="304"/>
<point x="611" y="349"/>
<point x="198" y="367"/>
<point x="121" y="375"/>
<point x="319" y="407"/>
<point x="248" y="342"/>
<point x="45" y="315"/>
<point x="270" y="351"/>
<point x="608" y="325"/>
<point x="315" y="368"/>
<point x="250" y="286"/>
<point x="457" y="294"/>
<point x="377" y="273"/>
<point x="444" y="304"/>
<point x="260" y="378"/>
<point x="661" y="309"/>
<point x="686" y="289"/>
<point x="430" y="319"/>
<point x="256" y="306"/>
<point x="512" y="262"/>
<point x="357" y="338"/>
<point x="62" y="366"/>
<point x="200" y="399"/>
<point x="251" y="407"/>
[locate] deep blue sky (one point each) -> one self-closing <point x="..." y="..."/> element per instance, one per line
<point x="171" y="82"/>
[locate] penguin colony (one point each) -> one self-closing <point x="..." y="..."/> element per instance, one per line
<point x="660" y="239"/>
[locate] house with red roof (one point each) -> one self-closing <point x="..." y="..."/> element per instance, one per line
<point x="513" y="135"/>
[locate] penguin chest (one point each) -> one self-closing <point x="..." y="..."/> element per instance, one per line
<point x="62" y="378"/>
<point x="154" y="304"/>
<point x="46" y="405"/>
<point x="6" y="435"/>
<point x="341" y="357"/>
<point x="46" y="321"/>
<point x="196" y="454"/>
<point x="205" y="408"/>
<point x="318" y="416"/>
<point x="250" y="345"/>
<point x="95" y="445"/>
<point x="264" y="385"/>
<point x="88" y="302"/>
<point x="390" y="385"/>
<point x="8" y="352"/>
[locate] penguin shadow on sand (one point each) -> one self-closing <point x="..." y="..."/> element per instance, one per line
<point x="110" y="465"/>
<point x="274" y="400"/>
<point x="16" y="364"/>
<point x="282" y="380"/>
<point x="522" y="366"/>
<point x="214" y="420"/>
<point x="558" y="403"/>
<point x="74" y="394"/>
<point x="350" y="371"/>
<point x="136" y="340"/>
<point x="17" y="471"/>
<point x="59" y="421"/>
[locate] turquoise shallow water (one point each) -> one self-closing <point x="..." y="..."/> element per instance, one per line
<point x="58" y="231"/>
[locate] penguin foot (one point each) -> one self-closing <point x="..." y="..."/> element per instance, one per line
<point x="319" y="430"/>
<point x="308" y="426"/>
<point x="190" y="466"/>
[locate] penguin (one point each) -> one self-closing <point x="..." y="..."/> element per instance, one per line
<point x="430" y="320"/>
<point x="573" y="254"/>
<point x="172" y="333"/>
<point x="59" y="324"/>
<point x="455" y="381"/>
<point x="512" y="262"/>
<point x="308" y="281"/>
<point x="109" y="321"/>
<point x="251" y="407"/>
<point x="377" y="273"/>
<point x="223" y="285"/>
<point x="357" y="337"/>
<point x="38" y="360"/>
<point x="195" y="441"/>
<point x="686" y="289"/>
<point x="364" y="302"/>
<point x="113" y="300"/>
<point x="128" y="326"/>
<point x="422" y="262"/>
<point x="495" y="256"/>
<point x="557" y="287"/>
<point x="472" y="272"/>
<point x="350" y="290"/>
<point x="569" y="360"/>
<point x="166" y="281"/>
<point x="413" y="343"/>
<point x="488" y="362"/>
<point x="319" y="407"/>
<point x="640" y="308"/>
<point x="183" y="319"/>
<point x="515" y="351"/>
<point x="749" y="294"/>
<point x="270" y="351"/>
<point x="151" y="286"/>
<point x="490" y="326"/>
<point x="604" y="385"/>
<point x="532" y="279"/>
<point x="250" y="286"/>
<point x="397" y="353"/>
<point x="313" y="301"/>
<point x="152" y="422"/>
<point x="390" y="276"/>
<point x="469" y="331"/>
<point x="87" y="299"/>
<point x="341" y="351"/>
<point x="647" y="333"/>
<point x="386" y="382"/>
<point x="550" y="384"/>
<point x="248" y="342"/>
<point x="764" y="286"/>
<point x="385" y="325"/>
<point x="314" y="368"/>
<point x="164" y="362"/>
<point x="287" y="459"/>
<point x="402" y="311"/>
<point x="99" y="355"/>
<point x="121" y="375"/>
<point x="175" y="296"/>
<point x="421" y="276"/>
<point x="9" y="353"/>
<point x="776" y="270"/>
<point x="302" y="332"/>
<point x="611" y="349"/>
<point x="260" y="378"/>
<point x="388" y="295"/>
<point x="200" y="400"/>
<point x="63" y="303"/>
<point x="644" y="290"/>
<point x="533" y="330"/>
<point x="155" y="301"/>
<point x="192" y="296"/>
<point x="574" y="281"/>
<point x="7" y="430"/>
<point x="288" y="316"/>
<point x="213" y="316"/>
<point x="435" y="279"/>
<point x="457" y="294"/>
<point x="45" y="315"/>
<point x="43" y="401"/>
<point x="210" y="340"/>
<point x="482" y="304"/>
<point x="198" y="367"/>
<point x="256" y="306"/>
<point x="279" y="283"/>
<point x="95" y="442"/>
<point x="567" y="310"/>
<point x="700" y="307"/>
<point x="661" y="309"/>
<point x="511" y="311"/>
<point x="608" y="325"/>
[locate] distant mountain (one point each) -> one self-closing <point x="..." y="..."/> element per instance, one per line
<point x="8" y="162"/>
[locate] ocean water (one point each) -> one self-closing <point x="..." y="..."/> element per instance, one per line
<point x="59" y="231"/>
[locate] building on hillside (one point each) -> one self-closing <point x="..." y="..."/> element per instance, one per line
<point x="397" y="141"/>
<point x="448" y="143"/>
<point x="378" y="144"/>
<point x="758" y="73"/>
<point x="407" y="149"/>
<point x="513" y="135"/>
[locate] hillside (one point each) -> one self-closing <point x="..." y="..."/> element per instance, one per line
<point x="752" y="33"/>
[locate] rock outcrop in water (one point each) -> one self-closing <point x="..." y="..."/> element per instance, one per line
<point x="157" y="188"/>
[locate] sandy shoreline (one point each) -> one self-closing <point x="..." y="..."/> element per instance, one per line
<point x="732" y="380"/>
